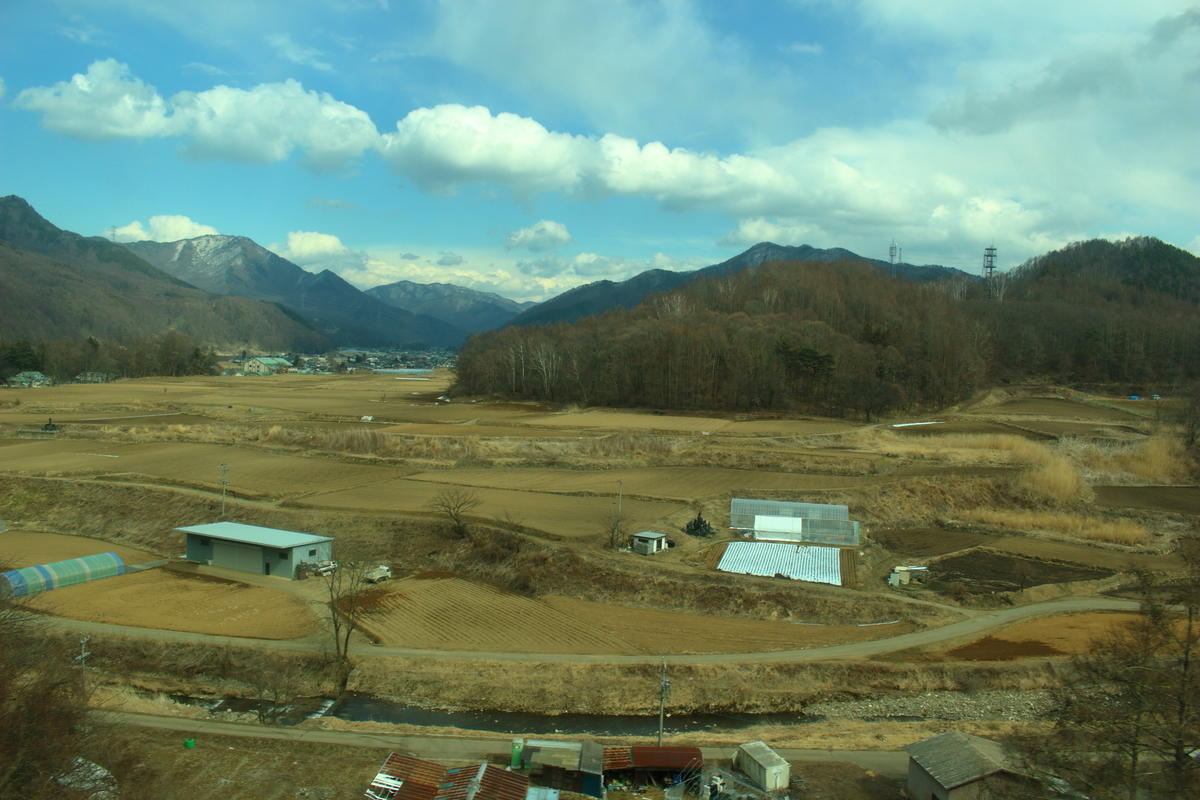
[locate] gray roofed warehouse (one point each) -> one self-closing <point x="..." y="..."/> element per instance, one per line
<point x="955" y="765"/>
<point x="251" y="548"/>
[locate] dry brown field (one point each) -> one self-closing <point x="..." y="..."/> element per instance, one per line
<point x="159" y="598"/>
<point x="455" y="614"/>
<point x="1062" y="634"/>
<point x="1054" y="407"/>
<point x="27" y="548"/>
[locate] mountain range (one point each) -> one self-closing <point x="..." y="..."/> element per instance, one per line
<point x="235" y="265"/>
<point x="602" y="296"/>
<point x="466" y="309"/>
<point x="60" y="285"/>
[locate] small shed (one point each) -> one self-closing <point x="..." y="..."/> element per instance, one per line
<point x="763" y="766"/>
<point x="404" y="777"/>
<point x="648" y="543"/>
<point x="959" y="766"/>
<point x="250" y="548"/>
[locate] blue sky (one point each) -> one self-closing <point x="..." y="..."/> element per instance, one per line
<point x="528" y="146"/>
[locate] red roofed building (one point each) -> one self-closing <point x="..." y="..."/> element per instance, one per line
<point x="409" y="778"/>
<point x="660" y="766"/>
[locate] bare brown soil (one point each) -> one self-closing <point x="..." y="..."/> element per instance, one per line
<point x="984" y="571"/>
<point x="27" y="547"/>
<point x="990" y="648"/>
<point x="1064" y="634"/>
<point x="925" y="542"/>
<point x="1177" y="499"/>
<point x="1055" y="407"/>
<point x="161" y="599"/>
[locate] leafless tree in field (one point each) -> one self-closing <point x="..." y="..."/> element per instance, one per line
<point x="456" y="504"/>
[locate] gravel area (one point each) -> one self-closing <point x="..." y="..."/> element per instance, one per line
<point x="1007" y="706"/>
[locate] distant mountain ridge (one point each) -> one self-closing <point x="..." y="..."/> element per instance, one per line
<point x="602" y="296"/>
<point x="468" y="309"/>
<point x="236" y="265"/>
<point x="59" y="285"/>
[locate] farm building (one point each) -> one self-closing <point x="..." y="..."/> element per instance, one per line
<point x="648" y="543"/>
<point x="249" y="548"/>
<point x="796" y="561"/>
<point x="28" y="379"/>
<point x="763" y="766"/>
<point x="570" y="766"/>
<point x="44" y="577"/>
<point x="409" y="778"/>
<point x="638" y="767"/>
<point x="959" y="766"/>
<point x="266" y="365"/>
<point x="781" y="521"/>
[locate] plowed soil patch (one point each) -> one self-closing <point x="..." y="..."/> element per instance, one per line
<point x="1062" y="634"/>
<point x="28" y="548"/>
<point x="454" y="614"/>
<point x="925" y="542"/>
<point x="973" y="428"/>
<point x="1054" y="407"/>
<point x="159" y="599"/>
<point x="984" y="571"/>
<point x="1178" y="499"/>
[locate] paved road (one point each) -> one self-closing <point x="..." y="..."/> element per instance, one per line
<point x="977" y="624"/>
<point x="892" y="763"/>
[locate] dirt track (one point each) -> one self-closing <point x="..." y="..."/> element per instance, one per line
<point x="893" y="763"/>
<point x="982" y="621"/>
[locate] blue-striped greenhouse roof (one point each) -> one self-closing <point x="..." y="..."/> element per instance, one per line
<point x="253" y="534"/>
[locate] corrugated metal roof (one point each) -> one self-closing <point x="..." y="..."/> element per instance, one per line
<point x="253" y="534"/>
<point x="798" y="562"/>
<point x="742" y="511"/>
<point x="667" y="757"/>
<point x="617" y="758"/>
<point x="955" y="758"/>
<point x="762" y="754"/>
<point x="426" y="780"/>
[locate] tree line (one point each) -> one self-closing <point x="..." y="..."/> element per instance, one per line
<point x="846" y="339"/>
<point x="172" y="353"/>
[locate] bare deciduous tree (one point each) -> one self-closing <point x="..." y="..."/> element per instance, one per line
<point x="456" y="504"/>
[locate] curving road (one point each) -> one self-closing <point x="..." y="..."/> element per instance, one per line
<point x="981" y="622"/>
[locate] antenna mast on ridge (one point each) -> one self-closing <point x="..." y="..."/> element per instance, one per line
<point x="989" y="262"/>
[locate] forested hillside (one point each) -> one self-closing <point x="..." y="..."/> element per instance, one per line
<point x="845" y="338"/>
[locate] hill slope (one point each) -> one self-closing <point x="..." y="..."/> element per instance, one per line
<point x="463" y="308"/>
<point x="60" y="285"/>
<point x="236" y="265"/>
<point x="602" y="296"/>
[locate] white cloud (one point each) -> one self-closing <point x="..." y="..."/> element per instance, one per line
<point x="639" y="68"/>
<point x="541" y="235"/>
<point x="259" y="125"/>
<point x="753" y="231"/>
<point x="161" y="228"/>
<point x="266" y="123"/>
<point x="296" y="53"/>
<point x="448" y="145"/>
<point x="207" y="69"/>
<point x="106" y="102"/>
<point x="804" y="48"/>
<point x="309" y="247"/>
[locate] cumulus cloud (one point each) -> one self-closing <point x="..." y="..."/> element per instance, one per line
<point x="296" y="53"/>
<point x="259" y="125"/>
<point x="753" y="231"/>
<point x="161" y="228"/>
<point x="449" y="145"/>
<point x="541" y="235"/>
<point x="449" y="260"/>
<point x="106" y="102"/>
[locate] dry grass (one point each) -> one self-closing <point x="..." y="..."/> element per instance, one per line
<point x="1078" y="525"/>
<point x="1158" y="459"/>
<point x="954" y="448"/>
<point x="1056" y="481"/>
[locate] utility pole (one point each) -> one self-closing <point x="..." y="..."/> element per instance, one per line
<point x="223" y="468"/>
<point x="663" y="691"/>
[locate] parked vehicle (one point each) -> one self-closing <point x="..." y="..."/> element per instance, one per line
<point x="324" y="568"/>
<point x="377" y="574"/>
